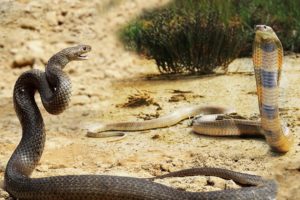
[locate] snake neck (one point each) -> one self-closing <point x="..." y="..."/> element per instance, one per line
<point x="63" y="57"/>
<point x="59" y="60"/>
<point x="54" y="67"/>
<point x="30" y="149"/>
<point x="59" y="83"/>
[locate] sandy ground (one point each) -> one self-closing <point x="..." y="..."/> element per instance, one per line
<point x="32" y="31"/>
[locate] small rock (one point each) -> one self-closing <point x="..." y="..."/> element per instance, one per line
<point x="192" y="184"/>
<point x="57" y="166"/>
<point x="216" y="182"/>
<point x="110" y="73"/>
<point x="21" y="60"/>
<point x="80" y="100"/>
<point x="29" y="24"/>
<point x="165" y="167"/>
<point x="60" y="20"/>
<point x="2" y="168"/>
<point x="104" y="165"/>
<point x="42" y="168"/>
<point x="14" y="51"/>
<point x="33" y="5"/>
<point x="177" y="98"/>
<point x="230" y="184"/>
<point x="35" y="47"/>
<point x="85" y="113"/>
<point x="51" y="18"/>
<point x="3" y="194"/>
<point x="156" y="136"/>
<point x="79" y="164"/>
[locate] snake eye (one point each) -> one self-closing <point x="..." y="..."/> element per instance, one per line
<point x="265" y="27"/>
<point x="84" y="48"/>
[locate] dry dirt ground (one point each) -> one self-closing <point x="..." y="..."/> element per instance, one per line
<point x="32" y="31"/>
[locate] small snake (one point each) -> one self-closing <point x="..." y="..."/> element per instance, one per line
<point x="54" y="87"/>
<point x="267" y="59"/>
<point x="99" y="130"/>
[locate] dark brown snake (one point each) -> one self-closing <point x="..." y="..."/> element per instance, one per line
<point x="54" y="87"/>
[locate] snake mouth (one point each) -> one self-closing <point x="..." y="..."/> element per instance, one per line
<point x="83" y="56"/>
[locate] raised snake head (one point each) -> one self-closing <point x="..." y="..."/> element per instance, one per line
<point x="265" y="33"/>
<point x="77" y="52"/>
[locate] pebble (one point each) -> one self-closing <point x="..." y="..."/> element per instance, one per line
<point x="4" y="195"/>
<point x="29" y="24"/>
<point x="2" y="168"/>
<point x="21" y="60"/>
<point x="51" y="18"/>
<point x="186" y="183"/>
<point x="80" y="100"/>
<point x="35" y="47"/>
<point x="230" y="184"/>
<point x="177" y="98"/>
<point x="221" y="183"/>
<point x="42" y="168"/>
<point x="33" y="5"/>
<point x="57" y="166"/>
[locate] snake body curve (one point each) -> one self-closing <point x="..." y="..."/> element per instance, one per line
<point x="54" y="87"/>
<point x="99" y="130"/>
<point x="267" y="60"/>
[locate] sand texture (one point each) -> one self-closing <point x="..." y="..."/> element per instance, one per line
<point x="32" y="31"/>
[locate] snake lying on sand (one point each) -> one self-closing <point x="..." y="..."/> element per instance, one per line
<point x="267" y="59"/>
<point x="54" y="88"/>
<point x="99" y="130"/>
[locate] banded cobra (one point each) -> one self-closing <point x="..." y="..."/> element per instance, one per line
<point x="267" y="59"/>
<point x="54" y="88"/>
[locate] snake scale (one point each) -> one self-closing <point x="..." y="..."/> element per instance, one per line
<point x="54" y="87"/>
<point x="267" y="60"/>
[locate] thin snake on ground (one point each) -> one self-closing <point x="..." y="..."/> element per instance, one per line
<point x="54" y="87"/>
<point x="267" y="60"/>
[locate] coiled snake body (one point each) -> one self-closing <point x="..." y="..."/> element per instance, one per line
<point x="54" y="88"/>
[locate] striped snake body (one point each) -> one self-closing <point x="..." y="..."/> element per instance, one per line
<point x="267" y="60"/>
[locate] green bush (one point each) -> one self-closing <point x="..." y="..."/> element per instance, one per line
<point x="282" y="15"/>
<point x="196" y="36"/>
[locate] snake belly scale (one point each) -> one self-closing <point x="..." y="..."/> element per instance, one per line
<point x="54" y="87"/>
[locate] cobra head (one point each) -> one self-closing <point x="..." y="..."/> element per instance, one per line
<point x="264" y="33"/>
